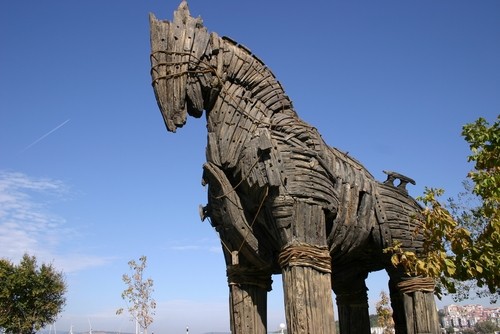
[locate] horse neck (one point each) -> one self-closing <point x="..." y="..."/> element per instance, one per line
<point x="247" y="96"/>
<point x="248" y="87"/>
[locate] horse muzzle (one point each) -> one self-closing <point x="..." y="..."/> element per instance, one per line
<point x="169" y="85"/>
<point x="176" y="50"/>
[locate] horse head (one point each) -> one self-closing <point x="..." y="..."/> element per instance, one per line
<point x="177" y="49"/>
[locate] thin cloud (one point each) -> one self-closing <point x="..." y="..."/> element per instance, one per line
<point x="25" y="224"/>
<point x="45" y="135"/>
<point x="171" y="316"/>
<point x="28" y="225"/>
<point x="77" y="262"/>
<point x="186" y="248"/>
<point x="211" y="245"/>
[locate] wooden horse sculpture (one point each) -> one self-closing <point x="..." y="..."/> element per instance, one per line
<point x="281" y="199"/>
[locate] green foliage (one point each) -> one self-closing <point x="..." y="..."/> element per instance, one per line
<point x="462" y="237"/>
<point x="486" y="327"/>
<point x="138" y="294"/>
<point x="373" y="320"/>
<point x="31" y="296"/>
<point x="450" y="330"/>
<point x="467" y="330"/>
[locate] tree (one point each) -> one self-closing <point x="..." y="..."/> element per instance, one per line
<point x="31" y="296"/>
<point x="462" y="236"/>
<point x="138" y="294"/>
<point x="486" y="327"/>
<point x="450" y="330"/>
<point x="373" y="320"/>
<point x="384" y="313"/>
<point x="467" y="330"/>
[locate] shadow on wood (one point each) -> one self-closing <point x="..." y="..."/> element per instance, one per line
<point x="281" y="199"/>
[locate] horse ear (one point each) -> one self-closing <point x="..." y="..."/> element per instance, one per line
<point x="182" y="13"/>
<point x="188" y="33"/>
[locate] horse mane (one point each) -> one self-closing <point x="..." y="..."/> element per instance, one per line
<point x="246" y="69"/>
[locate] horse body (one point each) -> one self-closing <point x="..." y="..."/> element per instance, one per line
<point x="257" y="138"/>
<point x="282" y="200"/>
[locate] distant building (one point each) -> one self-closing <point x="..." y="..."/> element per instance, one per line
<point x="467" y="316"/>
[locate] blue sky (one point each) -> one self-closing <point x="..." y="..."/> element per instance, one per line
<point x="90" y="178"/>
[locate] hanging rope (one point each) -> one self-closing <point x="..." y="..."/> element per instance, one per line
<point x="243" y="178"/>
<point x="304" y="255"/>
<point x="254" y="218"/>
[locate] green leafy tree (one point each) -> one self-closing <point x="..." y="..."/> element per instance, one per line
<point x="467" y="330"/>
<point x="462" y="236"/>
<point x="373" y="320"/>
<point x="31" y="296"/>
<point x="384" y="313"/>
<point x="486" y="327"/>
<point x="138" y="294"/>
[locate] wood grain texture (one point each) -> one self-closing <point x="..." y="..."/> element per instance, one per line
<point x="273" y="183"/>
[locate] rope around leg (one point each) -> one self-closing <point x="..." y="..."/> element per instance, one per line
<point x="304" y="255"/>
<point x="238" y="275"/>
<point x="409" y="285"/>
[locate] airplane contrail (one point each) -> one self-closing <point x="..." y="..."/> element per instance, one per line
<point x="45" y="135"/>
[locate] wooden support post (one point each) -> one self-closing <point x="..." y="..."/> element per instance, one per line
<point x="352" y="303"/>
<point x="414" y="309"/>
<point x="308" y="301"/>
<point x="306" y="271"/>
<point x="398" y="310"/>
<point x="248" y="300"/>
<point x="248" y="309"/>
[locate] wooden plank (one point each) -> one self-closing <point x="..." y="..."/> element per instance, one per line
<point x="232" y="65"/>
<point x="242" y="59"/>
<point x="177" y="36"/>
<point x="409" y="311"/>
<point x="193" y="92"/>
<point x="248" y="306"/>
<point x="263" y="85"/>
<point x="243" y="73"/>
<point x="158" y="31"/>
<point x="225" y="129"/>
<point x="251" y="70"/>
<point x="255" y="77"/>
<point x="353" y="300"/>
<point x="266" y="94"/>
<point x="305" y="311"/>
<point x="236" y="230"/>
<point x="212" y="151"/>
<point x="216" y="61"/>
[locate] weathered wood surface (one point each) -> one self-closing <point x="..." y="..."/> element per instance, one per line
<point x="411" y="306"/>
<point x="308" y="308"/>
<point x="281" y="199"/>
<point x="248" y="309"/>
<point x="352" y="302"/>
<point x="228" y="218"/>
<point x="417" y="318"/>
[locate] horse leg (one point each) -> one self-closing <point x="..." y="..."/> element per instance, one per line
<point x="248" y="299"/>
<point x="413" y="304"/>
<point x="306" y="273"/>
<point x="308" y="300"/>
<point x="352" y="303"/>
<point x="243" y="253"/>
